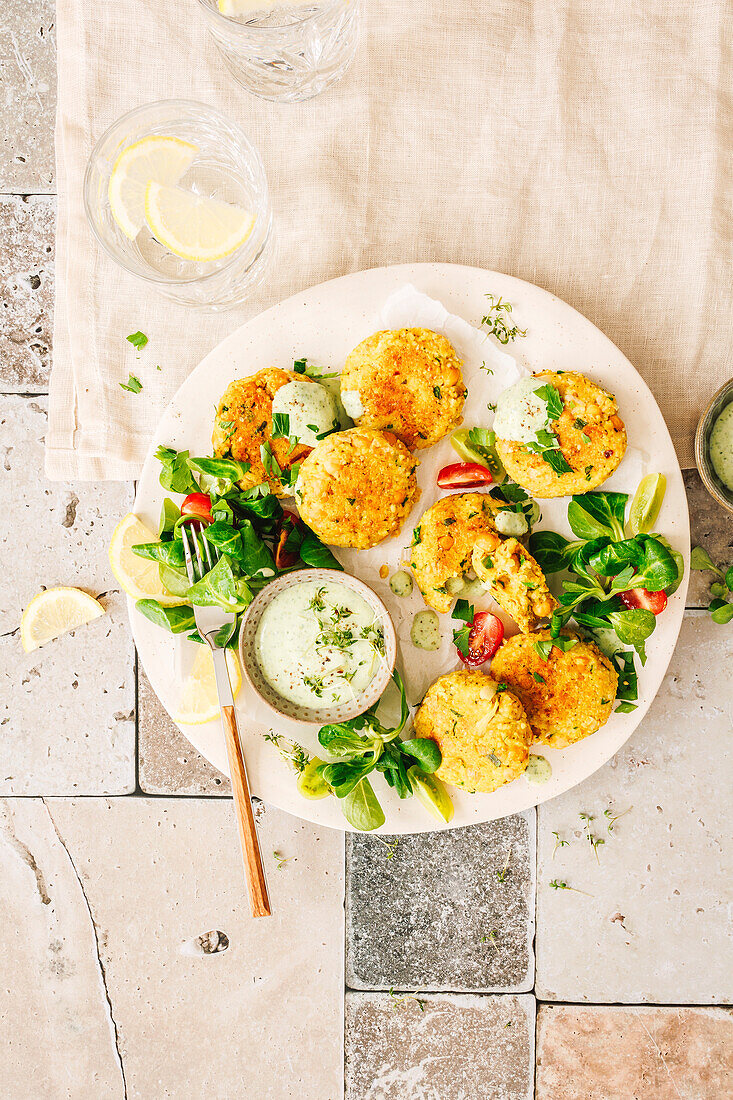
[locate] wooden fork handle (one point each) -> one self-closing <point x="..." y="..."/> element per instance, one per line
<point x="256" y="881"/>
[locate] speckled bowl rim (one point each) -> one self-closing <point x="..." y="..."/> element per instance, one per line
<point x="720" y="399"/>
<point x="286" y="708"/>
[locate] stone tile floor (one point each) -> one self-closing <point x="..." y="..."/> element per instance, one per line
<point x="624" y="984"/>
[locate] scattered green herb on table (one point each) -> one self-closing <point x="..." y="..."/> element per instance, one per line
<point x="720" y="607"/>
<point x="133" y="384"/>
<point x="137" y="339"/>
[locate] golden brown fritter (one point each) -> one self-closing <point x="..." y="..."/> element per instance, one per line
<point x="356" y="487"/>
<point x="592" y="439"/>
<point x="244" y="424"/>
<point x="481" y="729"/>
<point x="407" y="381"/>
<point x="442" y="543"/>
<point x="568" y="696"/>
<point x="514" y="579"/>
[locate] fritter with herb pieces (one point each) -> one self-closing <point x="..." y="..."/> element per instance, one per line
<point x="582" y="444"/>
<point x="566" y="685"/>
<point x="356" y="487"/>
<point x="407" y="381"/>
<point x="243" y="429"/>
<point x="481" y="730"/>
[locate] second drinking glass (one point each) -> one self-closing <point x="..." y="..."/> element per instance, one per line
<point x="284" y="51"/>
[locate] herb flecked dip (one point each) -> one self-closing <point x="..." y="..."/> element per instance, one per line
<point x="318" y="644"/>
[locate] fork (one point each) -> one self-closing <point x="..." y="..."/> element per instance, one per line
<point x="210" y="623"/>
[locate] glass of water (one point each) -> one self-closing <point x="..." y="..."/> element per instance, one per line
<point x="176" y="194"/>
<point x="284" y="50"/>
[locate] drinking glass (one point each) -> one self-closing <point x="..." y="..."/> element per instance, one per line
<point x="226" y="167"/>
<point x="289" y="50"/>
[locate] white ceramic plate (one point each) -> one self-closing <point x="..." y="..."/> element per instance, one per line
<point x="324" y="324"/>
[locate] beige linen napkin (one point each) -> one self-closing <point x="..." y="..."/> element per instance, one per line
<point x="579" y="145"/>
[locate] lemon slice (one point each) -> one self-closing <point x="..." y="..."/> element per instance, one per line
<point x="163" y="159"/>
<point x="139" y="577"/>
<point x="195" y="227"/>
<point x="55" y="611"/>
<point x="199" y="702"/>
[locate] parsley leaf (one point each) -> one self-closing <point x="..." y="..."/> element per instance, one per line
<point x="133" y="384"/>
<point x="280" y="425"/>
<point x="137" y="339"/>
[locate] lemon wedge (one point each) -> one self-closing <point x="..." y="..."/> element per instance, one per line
<point x="164" y="159"/>
<point x="139" y="577"/>
<point x="195" y="227"/>
<point x="55" y="611"/>
<point x="199" y="702"/>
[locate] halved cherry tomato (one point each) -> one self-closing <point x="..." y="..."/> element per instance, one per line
<point x="464" y="475"/>
<point x="644" y="599"/>
<point x="198" y="506"/>
<point x="285" y="558"/>
<point x="485" y="637"/>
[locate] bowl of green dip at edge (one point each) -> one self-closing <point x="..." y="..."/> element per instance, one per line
<point x="720" y="492"/>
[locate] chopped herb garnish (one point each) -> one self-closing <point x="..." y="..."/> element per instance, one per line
<point x="137" y="339"/>
<point x="497" y="321"/>
<point x="436" y="392"/>
<point x="280" y="425"/>
<point x="133" y="384"/>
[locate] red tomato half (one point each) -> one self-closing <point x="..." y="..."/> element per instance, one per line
<point x="647" y="601"/>
<point x="464" y="475"/>
<point x="197" y="505"/>
<point x="487" y="634"/>
<point x="285" y="558"/>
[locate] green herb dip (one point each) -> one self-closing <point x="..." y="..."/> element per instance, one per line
<point x="721" y="446"/>
<point x="318" y="644"/>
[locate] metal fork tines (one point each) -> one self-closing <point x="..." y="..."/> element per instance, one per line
<point x="209" y="623"/>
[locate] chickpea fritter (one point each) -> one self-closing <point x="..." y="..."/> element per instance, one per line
<point x="567" y="697"/>
<point x="356" y="487"/>
<point x="244" y="424"/>
<point x="514" y="579"/>
<point x="407" y="381"/>
<point x="591" y="435"/>
<point x="442" y="543"/>
<point x="480" y="728"/>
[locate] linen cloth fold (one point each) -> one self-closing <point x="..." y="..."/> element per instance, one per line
<point x="585" y="147"/>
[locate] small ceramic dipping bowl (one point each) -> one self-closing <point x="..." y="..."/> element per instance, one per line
<point x="285" y="707"/>
<point x="710" y="479"/>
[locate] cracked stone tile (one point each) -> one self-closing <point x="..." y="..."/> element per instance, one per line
<point x="28" y="93"/>
<point x="27" y="233"/>
<point x="590" y="1053"/>
<point x="439" y="1047"/>
<point x="656" y="926"/>
<point x="434" y="914"/>
<point x="128" y="948"/>
<point x="67" y="710"/>
<point x="711" y="527"/>
<point x="167" y="762"/>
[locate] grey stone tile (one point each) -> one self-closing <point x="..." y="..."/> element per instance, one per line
<point x="27" y="95"/>
<point x="109" y="914"/>
<point x="27" y="232"/>
<point x="594" y="1053"/>
<point x="654" y="923"/>
<point x="167" y="762"/>
<point x="710" y="526"/>
<point x="439" y="1047"/>
<point x="67" y="709"/>
<point x="445" y="911"/>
